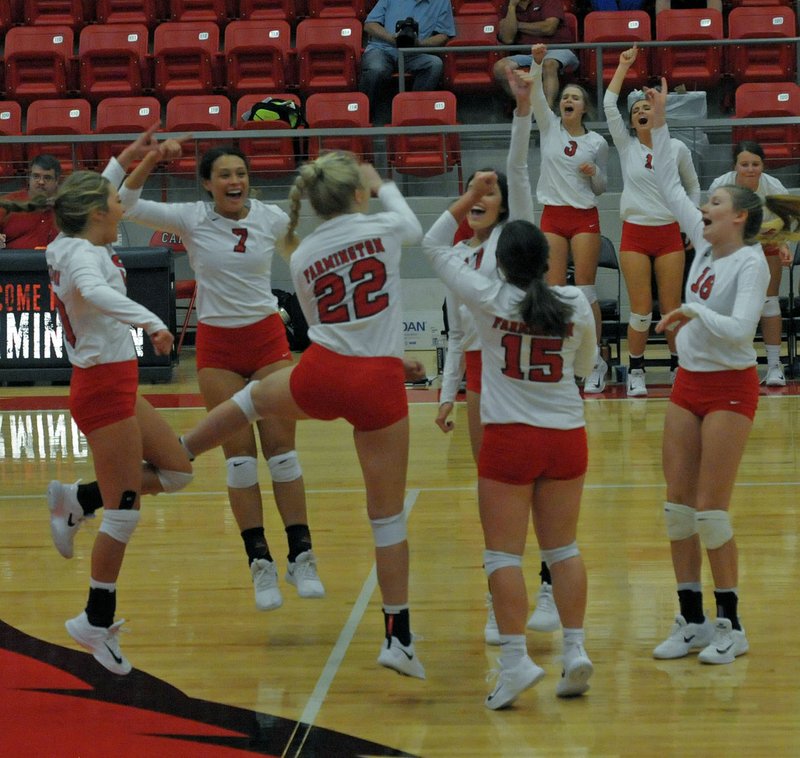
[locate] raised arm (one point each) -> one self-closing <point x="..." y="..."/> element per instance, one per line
<point x="616" y="126"/>
<point x="520" y="194"/>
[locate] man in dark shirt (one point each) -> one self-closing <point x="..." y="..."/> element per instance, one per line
<point x="532" y="22"/>
<point x="27" y="230"/>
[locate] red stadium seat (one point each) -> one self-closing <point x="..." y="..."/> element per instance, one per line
<point x="72" y="13"/>
<point x="185" y="58"/>
<point x="737" y="3"/>
<point x="11" y="160"/>
<point x="337" y="9"/>
<point x="266" y="155"/>
<point x="256" y="56"/>
<point x="424" y="154"/>
<point x="272" y="10"/>
<point x="695" y="67"/>
<point x="112" y="59"/>
<point x="472" y="72"/>
<point x="477" y="7"/>
<point x="339" y="110"/>
<point x="38" y="62"/>
<point x="127" y="12"/>
<point x="616" y="26"/>
<point x="328" y="54"/>
<point x="123" y="115"/>
<point x="196" y="113"/>
<point x="767" y="62"/>
<point x="61" y="117"/>
<point x="781" y="142"/>
<point x="6" y="19"/>
<point x="199" y="10"/>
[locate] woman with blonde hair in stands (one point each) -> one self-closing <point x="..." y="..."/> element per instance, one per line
<point x="748" y="171"/>
<point x="347" y="278"/>
<point x="651" y="239"/>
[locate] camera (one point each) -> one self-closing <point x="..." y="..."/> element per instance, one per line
<point x="406" y="32"/>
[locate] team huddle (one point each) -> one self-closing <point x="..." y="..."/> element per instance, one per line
<point x="522" y="335"/>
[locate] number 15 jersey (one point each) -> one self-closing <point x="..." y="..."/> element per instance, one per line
<point x="346" y="274"/>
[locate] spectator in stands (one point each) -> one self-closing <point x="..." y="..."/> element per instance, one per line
<point x="665" y="5"/>
<point x="25" y="230"/>
<point x="523" y="22"/>
<point x="434" y="26"/>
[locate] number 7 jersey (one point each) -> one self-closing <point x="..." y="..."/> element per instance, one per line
<point x="346" y="274"/>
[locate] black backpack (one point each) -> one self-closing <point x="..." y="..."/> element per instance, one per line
<point x="274" y="109"/>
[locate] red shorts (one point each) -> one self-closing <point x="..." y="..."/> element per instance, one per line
<point x="703" y="392"/>
<point x="242" y="349"/>
<point x="104" y="394"/>
<point x="473" y="364"/>
<point x="566" y="222"/>
<point x="370" y="393"/>
<point x="521" y="454"/>
<point x="651" y="240"/>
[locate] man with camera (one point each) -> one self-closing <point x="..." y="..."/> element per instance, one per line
<point x="404" y="24"/>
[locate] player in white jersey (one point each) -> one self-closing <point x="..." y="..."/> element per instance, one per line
<point x="509" y="198"/>
<point x="534" y="341"/>
<point x="122" y="429"/>
<point x="347" y="277"/>
<point x="713" y="400"/>
<point x="651" y="239"/>
<point x="572" y="175"/>
<point x="230" y="240"/>
<point x="748" y="159"/>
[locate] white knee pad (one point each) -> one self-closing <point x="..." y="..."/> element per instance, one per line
<point x="285" y="467"/>
<point x="244" y="399"/>
<point x="589" y="292"/>
<point x="242" y="471"/>
<point x="714" y="528"/>
<point x="495" y="559"/>
<point x="119" y="524"/>
<point x="680" y="521"/>
<point x="640" y="323"/>
<point x="390" y="530"/>
<point x="772" y="306"/>
<point x="558" y="554"/>
<point x="173" y="481"/>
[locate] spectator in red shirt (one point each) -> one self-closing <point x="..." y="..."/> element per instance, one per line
<point x="25" y="230"/>
<point x="531" y="22"/>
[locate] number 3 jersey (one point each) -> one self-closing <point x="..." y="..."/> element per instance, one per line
<point x="347" y="277"/>
<point x="232" y="259"/>
<point x="526" y="378"/>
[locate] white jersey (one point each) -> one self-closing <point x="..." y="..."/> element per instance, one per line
<point x="463" y="334"/>
<point x="231" y="258"/>
<point x="724" y="296"/>
<point x="560" y="181"/>
<point x="525" y="378"/>
<point x="641" y="202"/>
<point x="96" y="314"/>
<point x="347" y="277"/>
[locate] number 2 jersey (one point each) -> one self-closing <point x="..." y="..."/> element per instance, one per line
<point x="724" y="296"/>
<point x="346" y="274"/>
<point x="231" y="258"/>
<point x="526" y="378"/>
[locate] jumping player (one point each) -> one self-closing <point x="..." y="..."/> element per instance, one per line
<point x="347" y="277"/>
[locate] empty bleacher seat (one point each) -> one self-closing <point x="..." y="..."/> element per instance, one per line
<point x="256" y="56"/>
<point x="328" y="54"/>
<point x="185" y="58"/>
<point x="112" y="60"/>
<point x="64" y="116"/>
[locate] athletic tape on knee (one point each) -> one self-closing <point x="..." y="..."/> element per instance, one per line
<point x="173" y="481"/>
<point x="496" y="559"/>
<point x="244" y="399"/>
<point x="390" y="530"/>
<point x="558" y="554"/>
<point x="680" y="520"/>
<point x="119" y="525"/>
<point x="242" y="471"/>
<point x="285" y="467"/>
<point x="772" y="306"/>
<point x="589" y="291"/>
<point x="640" y="323"/>
<point x="714" y="528"/>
